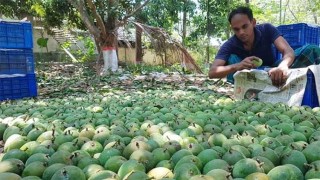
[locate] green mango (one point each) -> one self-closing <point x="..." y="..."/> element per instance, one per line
<point x="130" y="165"/>
<point x="233" y="156"/>
<point x="216" y="164"/>
<point x="12" y="165"/>
<point x="185" y="171"/>
<point x="15" y="141"/>
<point x="49" y="171"/>
<point x="41" y="157"/>
<point x="92" y="147"/>
<point x="9" y="175"/>
<point x="219" y="174"/>
<point x="69" y="172"/>
<point x="34" y="169"/>
<point x="287" y="171"/>
<point x="105" y="174"/>
<point x="207" y="155"/>
<point x="312" y="152"/>
<point x="61" y="157"/>
<point x="133" y="175"/>
<point x="160" y="172"/>
<point x="10" y="131"/>
<point x="31" y="178"/>
<point x="108" y="153"/>
<point x="34" y="134"/>
<point x="257" y="175"/>
<point x="85" y="161"/>
<point x="3" y="127"/>
<point x="296" y="158"/>
<point x="166" y="163"/>
<point x="114" y="163"/>
<point x="17" y="154"/>
<point x="92" y="169"/>
<point x="202" y="177"/>
<point x="313" y="173"/>
<point x="179" y="154"/>
<point x="190" y="159"/>
<point x="245" y="167"/>
<point x="266" y="164"/>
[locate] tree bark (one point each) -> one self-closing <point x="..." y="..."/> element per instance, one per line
<point x="184" y="22"/>
<point x="208" y="34"/>
<point x="105" y="32"/>
<point x="79" y="5"/>
<point x="285" y="11"/>
<point x="280" y="17"/>
<point x="124" y="20"/>
<point x="98" y="18"/>
<point x="313" y="10"/>
<point x="138" y="45"/>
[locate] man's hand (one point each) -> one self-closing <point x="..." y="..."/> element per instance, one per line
<point x="278" y="75"/>
<point x="246" y="63"/>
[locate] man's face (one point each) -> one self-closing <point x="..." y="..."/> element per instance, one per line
<point x="243" y="27"/>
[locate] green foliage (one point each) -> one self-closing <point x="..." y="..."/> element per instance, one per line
<point x="267" y="12"/>
<point x="86" y="55"/>
<point x="59" y="10"/>
<point x="200" y="56"/>
<point x="38" y="9"/>
<point x="42" y="42"/>
<point x="165" y="13"/>
<point x="89" y="46"/>
<point x="138" y="69"/>
<point x="16" y="8"/>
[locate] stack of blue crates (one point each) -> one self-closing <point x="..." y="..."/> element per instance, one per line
<point x="299" y="35"/>
<point x="17" y="73"/>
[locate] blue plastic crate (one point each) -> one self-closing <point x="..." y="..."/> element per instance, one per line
<point x="18" y="87"/>
<point x="278" y="55"/>
<point x="16" y="61"/>
<point x="310" y="97"/>
<point x="300" y="34"/>
<point x="16" y="35"/>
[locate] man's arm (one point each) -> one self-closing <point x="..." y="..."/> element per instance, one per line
<point x="286" y="51"/>
<point x="220" y="70"/>
<point x="279" y="74"/>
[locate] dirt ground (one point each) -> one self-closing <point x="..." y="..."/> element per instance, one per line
<point x="59" y="79"/>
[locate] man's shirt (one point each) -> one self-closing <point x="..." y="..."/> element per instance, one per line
<point x="265" y="35"/>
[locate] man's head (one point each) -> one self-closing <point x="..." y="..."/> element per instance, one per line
<point x="241" y="10"/>
<point x="242" y="23"/>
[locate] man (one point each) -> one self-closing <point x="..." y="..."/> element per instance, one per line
<point x="251" y="41"/>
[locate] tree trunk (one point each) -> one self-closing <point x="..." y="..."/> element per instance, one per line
<point x="110" y="42"/>
<point x="138" y="45"/>
<point x="208" y="34"/>
<point x="104" y="31"/>
<point x="184" y="22"/>
<point x="313" y="10"/>
<point x="109" y="49"/>
<point x="285" y="11"/>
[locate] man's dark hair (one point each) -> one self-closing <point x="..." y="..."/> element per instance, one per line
<point x="241" y="10"/>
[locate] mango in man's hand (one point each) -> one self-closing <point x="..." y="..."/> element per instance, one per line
<point x="257" y="62"/>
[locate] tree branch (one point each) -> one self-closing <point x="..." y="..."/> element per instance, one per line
<point x="133" y="12"/>
<point x="79" y="5"/>
<point x="292" y="13"/>
<point x="100" y="22"/>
